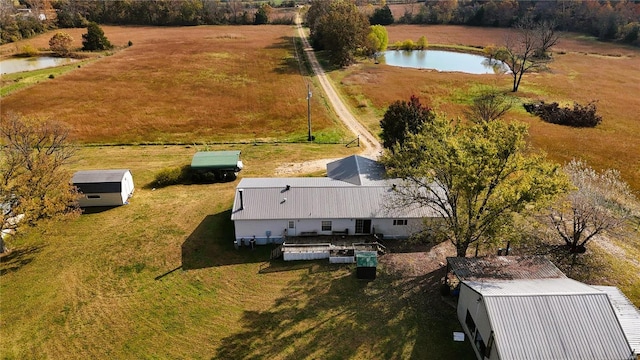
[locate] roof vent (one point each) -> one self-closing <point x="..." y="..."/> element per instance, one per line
<point x="287" y="187"/>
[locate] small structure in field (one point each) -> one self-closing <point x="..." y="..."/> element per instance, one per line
<point x="224" y="165"/>
<point x="104" y="187"/>
<point x="367" y="264"/>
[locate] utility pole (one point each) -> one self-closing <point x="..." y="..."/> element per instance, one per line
<point x="310" y="138"/>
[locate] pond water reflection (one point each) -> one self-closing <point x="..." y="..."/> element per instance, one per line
<point x="443" y="61"/>
<point x="11" y="66"/>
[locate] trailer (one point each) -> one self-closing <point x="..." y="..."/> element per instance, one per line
<point x="223" y="165"/>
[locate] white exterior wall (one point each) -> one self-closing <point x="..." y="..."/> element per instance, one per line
<point x="247" y="229"/>
<point x="127" y="187"/>
<point x="105" y="199"/>
<point x="311" y="255"/>
<point x="390" y="231"/>
<point x="468" y="300"/>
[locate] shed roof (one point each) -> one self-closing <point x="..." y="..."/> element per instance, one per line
<point x="504" y="267"/>
<point x="551" y="319"/>
<point x="98" y="176"/>
<point x="356" y="170"/>
<point x="627" y="314"/>
<point x="215" y="159"/>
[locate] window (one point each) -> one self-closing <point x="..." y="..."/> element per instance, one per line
<point x="93" y="196"/>
<point x="471" y="325"/>
<point x="400" y="222"/>
<point x="292" y="224"/>
<point x="326" y="226"/>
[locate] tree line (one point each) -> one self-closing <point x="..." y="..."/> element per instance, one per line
<point x="606" y="20"/>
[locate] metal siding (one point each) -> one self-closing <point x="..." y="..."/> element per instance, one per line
<point x="580" y="326"/>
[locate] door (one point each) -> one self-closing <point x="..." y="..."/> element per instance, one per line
<point x="363" y="226"/>
<point x="291" y="228"/>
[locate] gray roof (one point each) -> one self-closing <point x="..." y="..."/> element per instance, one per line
<point x="504" y="267"/>
<point x="552" y="319"/>
<point x="356" y="170"/>
<point x="98" y="176"/>
<point x="317" y="198"/>
<point x="99" y="181"/>
<point x="627" y="314"/>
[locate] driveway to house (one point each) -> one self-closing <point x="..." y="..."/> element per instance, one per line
<point x="373" y="149"/>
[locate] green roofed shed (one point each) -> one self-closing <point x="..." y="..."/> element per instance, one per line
<point x="366" y="258"/>
<point x="217" y="160"/>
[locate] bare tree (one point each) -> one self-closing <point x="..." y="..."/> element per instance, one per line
<point x="33" y="183"/>
<point x="600" y="203"/>
<point x="525" y="49"/>
<point x="488" y="106"/>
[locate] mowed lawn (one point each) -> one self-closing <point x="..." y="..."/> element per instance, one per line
<point x="184" y="85"/>
<point x="159" y="278"/>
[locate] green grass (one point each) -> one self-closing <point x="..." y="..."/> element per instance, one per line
<point x="18" y="81"/>
<point x="159" y="278"/>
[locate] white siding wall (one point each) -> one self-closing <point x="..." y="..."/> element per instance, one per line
<point x="127" y="186"/>
<point x="468" y="300"/>
<point x="390" y="231"/>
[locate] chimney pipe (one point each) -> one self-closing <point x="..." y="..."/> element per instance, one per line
<point x="241" y="199"/>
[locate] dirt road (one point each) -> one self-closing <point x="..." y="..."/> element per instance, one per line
<point x="371" y="144"/>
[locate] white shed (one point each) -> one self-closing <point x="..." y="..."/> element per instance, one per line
<point x="104" y="187"/>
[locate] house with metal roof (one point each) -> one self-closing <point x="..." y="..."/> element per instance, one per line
<point x="525" y="308"/>
<point x="354" y="199"/>
<point x="104" y="187"/>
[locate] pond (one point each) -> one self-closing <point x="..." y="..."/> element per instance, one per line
<point x="442" y="61"/>
<point x="11" y="66"/>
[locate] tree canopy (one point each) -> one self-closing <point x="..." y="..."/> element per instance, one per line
<point x="60" y="43"/>
<point x="401" y="119"/>
<point x="33" y="183"/>
<point x="94" y="39"/>
<point x="377" y="40"/>
<point x="338" y="27"/>
<point x="381" y="16"/>
<point x="475" y="177"/>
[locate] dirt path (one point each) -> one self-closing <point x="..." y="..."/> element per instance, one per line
<point x="371" y="144"/>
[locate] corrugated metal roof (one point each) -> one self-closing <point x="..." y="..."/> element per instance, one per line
<point x="356" y="170"/>
<point x="98" y="176"/>
<point x="627" y="314"/>
<point x="581" y="326"/>
<point x="523" y="287"/>
<point x="331" y="201"/>
<point x="215" y="159"/>
<point x="504" y="267"/>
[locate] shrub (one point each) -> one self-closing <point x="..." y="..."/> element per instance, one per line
<point x="578" y="116"/>
<point x="29" y="50"/>
<point x="422" y="43"/>
<point x="60" y="43"/>
<point x="408" y="45"/>
<point x="173" y="176"/>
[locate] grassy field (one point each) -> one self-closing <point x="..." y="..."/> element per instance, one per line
<point x="184" y="85"/>
<point x="159" y="278"/>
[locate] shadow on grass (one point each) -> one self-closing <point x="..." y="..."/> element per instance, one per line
<point x="288" y="65"/>
<point x="329" y="314"/>
<point x="96" y="209"/>
<point x="17" y="258"/>
<point x="211" y="244"/>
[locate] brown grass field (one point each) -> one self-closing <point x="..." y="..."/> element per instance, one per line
<point x="582" y="70"/>
<point x="190" y="84"/>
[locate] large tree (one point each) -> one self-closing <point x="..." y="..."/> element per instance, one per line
<point x="600" y="203"/>
<point x="60" y="43"/>
<point x="338" y="27"/>
<point x="94" y="39"/>
<point x="474" y="177"/>
<point x="33" y="182"/>
<point x="401" y="119"/>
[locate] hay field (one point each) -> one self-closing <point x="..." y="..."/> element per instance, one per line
<point x="186" y="85"/>
<point x="582" y="70"/>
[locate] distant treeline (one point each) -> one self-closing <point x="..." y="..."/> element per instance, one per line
<point x="606" y="20"/>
